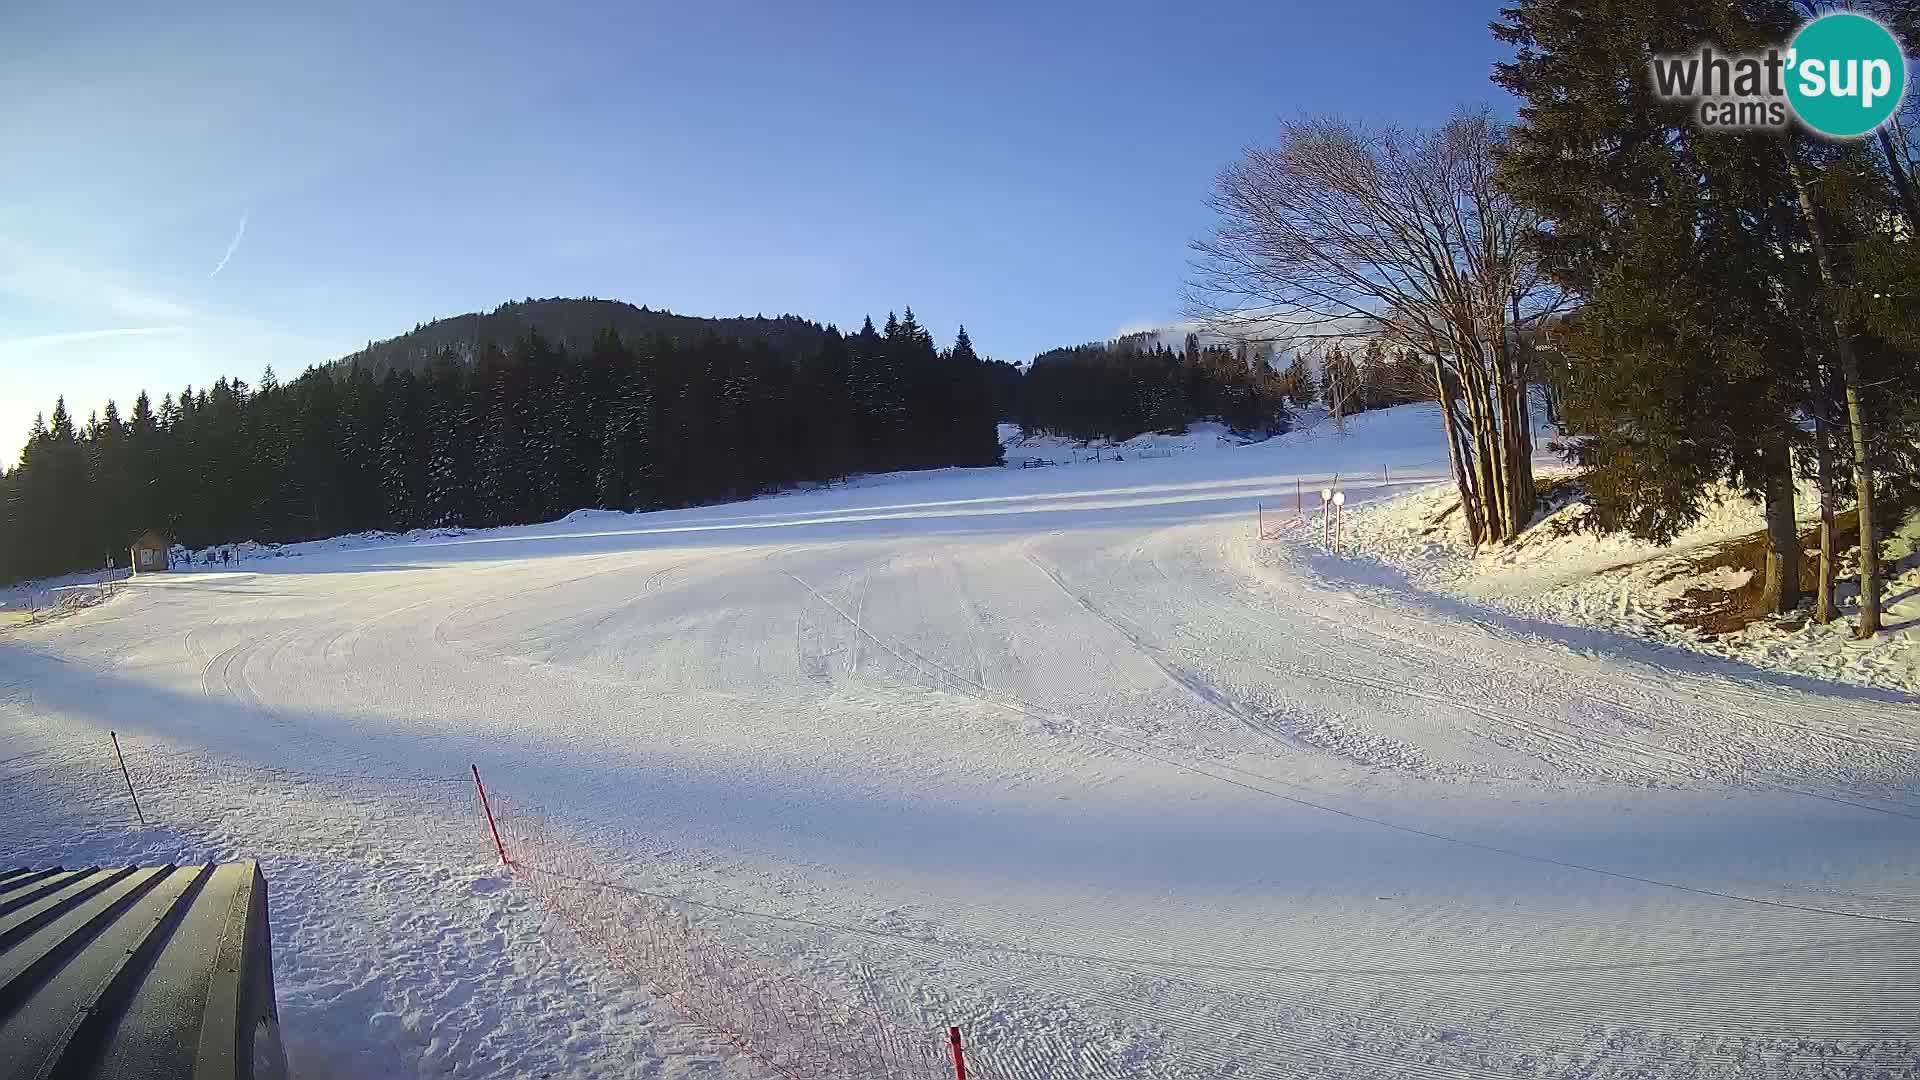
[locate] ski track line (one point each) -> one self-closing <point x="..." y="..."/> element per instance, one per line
<point x="437" y="632"/>
<point x="976" y="629"/>
<point x="1622" y="749"/>
<point x="1156" y="966"/>
<point x="1575" y="738"/>
<point x="1067" y="975"/>
<point x="806" y="661"/>
<point x="644" y="592"/>
<point x="1456" y="700"/>
<point x="343" y="646"/>
<point x="1713" y="685"/>
<point x="1353" y="815"/>
<point x="1683" y="768"/>
<point x="1337" y="811"/>
<point x="1286" y="939"/>
<point x="1404" y="757"/>
<point x="1383" y="1006"/>
<point x="1200" y="689"/>
<point x="1469" y="925"/>
<point x="1211" y="699"/>
<point x="861" y="584"/>
<point x="440" y="634"/>
<point x="1211" y="696"/>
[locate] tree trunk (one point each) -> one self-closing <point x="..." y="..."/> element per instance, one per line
<point x="1823" y="606"/>
<point x="1485" y="466"/>
<point x="1524" y="493"/>
<point x="1336" y="390"/>
<point x="1531" y="495"/>
<point x="1504" y="440"/>
<point x="1781" y="590"/>
<point x="1489" y="455"/>
<point x="1502" y="392"/>
<point x="1902" y="183"/>
<point x="1446" y="391"/>
<point x="1869" y="624"/>
<point x="1519" y="453"/>
<point x="1493" y="449"/>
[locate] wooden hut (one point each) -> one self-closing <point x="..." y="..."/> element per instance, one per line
<point x="149" y="554"/>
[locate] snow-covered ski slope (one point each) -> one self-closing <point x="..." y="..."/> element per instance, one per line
<point x="1067" y="757"/>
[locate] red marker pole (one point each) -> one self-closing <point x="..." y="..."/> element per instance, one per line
<point x="488" y="807"/>
<point x="959" y="1056"/>
<point x="142" y="818"/>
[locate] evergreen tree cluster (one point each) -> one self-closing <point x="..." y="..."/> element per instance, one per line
<point x="1119" y="389"/>
<point x="517" y="434"/>
<point x="1744" y="316"/>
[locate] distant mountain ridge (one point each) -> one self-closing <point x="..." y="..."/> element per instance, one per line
<point x="571" y="322"/>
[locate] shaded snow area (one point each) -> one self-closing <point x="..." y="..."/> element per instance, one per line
<point x="1562" y="573"/>
<point x="1068" y="757"/>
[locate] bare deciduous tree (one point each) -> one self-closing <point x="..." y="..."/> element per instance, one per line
<point x="1405" y="234"/>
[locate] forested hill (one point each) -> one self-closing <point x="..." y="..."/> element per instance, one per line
<point x="571" y="324"/>
<point x="515" y="433"/>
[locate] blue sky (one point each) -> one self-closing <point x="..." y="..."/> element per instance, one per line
<point x="1034" y="171"/>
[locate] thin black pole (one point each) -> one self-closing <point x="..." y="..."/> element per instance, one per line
<point x="129" y="779"/>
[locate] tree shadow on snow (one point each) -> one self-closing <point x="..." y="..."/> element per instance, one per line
<point x="1592" y="642"/>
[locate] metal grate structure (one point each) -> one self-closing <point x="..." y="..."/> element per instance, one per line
<point x="137" y="972"/>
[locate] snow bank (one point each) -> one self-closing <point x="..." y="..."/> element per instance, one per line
<point x="254" y="550"/>
<point x="1205" y="436"/>
<point x="1561" y="572"/>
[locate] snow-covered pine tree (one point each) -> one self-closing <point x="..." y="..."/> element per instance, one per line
<point x="445" y="484"/>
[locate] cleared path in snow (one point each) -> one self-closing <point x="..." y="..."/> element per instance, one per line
<point x="1068" y="755"/>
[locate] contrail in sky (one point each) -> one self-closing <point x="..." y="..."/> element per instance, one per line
<point x="233" y="246"/>
<point x="21" y="346"/>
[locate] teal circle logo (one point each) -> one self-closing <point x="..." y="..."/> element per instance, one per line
<point x="1846" y="75"/>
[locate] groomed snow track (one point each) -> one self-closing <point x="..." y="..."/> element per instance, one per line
<point x="1067" y="757"/>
